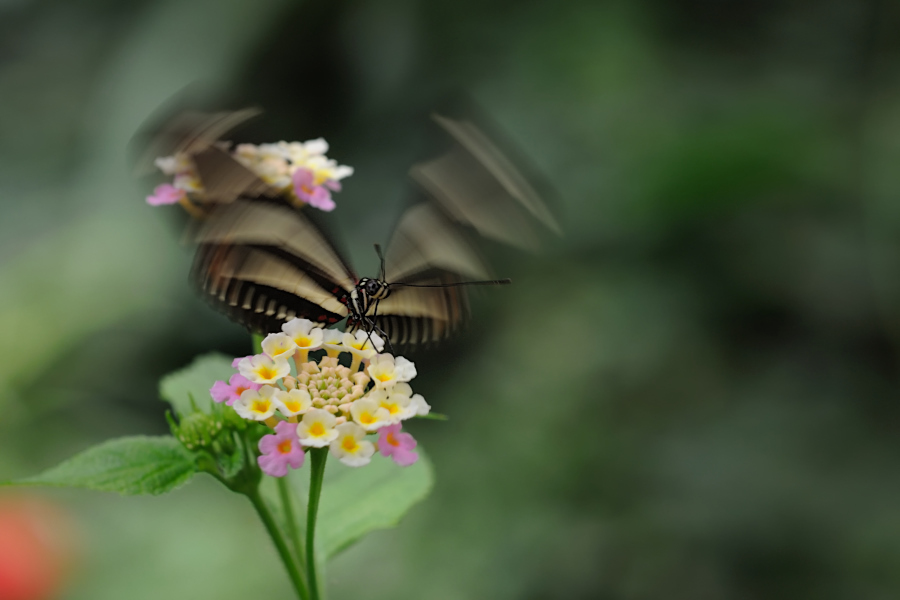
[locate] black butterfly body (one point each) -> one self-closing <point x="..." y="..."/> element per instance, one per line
<point x="262" y="261"/>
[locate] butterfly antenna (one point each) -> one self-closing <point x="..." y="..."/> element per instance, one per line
<point x="381" y="258"/>
<point x="458" y="283"/>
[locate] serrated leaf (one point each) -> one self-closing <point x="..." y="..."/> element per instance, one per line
<point x="357" y="501"/>
<point x="194" y="381"/>
<point x="130" y="466"/>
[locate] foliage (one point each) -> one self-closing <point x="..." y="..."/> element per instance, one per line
<point x="358" y="501"/>
<point x="130" y="466"/>
<point x="193" y="382"/>
<point x="209" y="439"/>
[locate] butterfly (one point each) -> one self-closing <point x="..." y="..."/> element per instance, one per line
<point x="262" y="261"/>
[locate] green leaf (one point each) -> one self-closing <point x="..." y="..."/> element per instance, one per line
<point x="194" y="381"/>
<point x="356" y="501"/>
<point x="231" y="464"/>
<point x="130" y="466"/>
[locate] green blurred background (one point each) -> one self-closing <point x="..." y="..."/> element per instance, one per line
<point x="692" y="395"/>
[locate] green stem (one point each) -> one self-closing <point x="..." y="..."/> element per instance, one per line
<point x="278" y="539"/>
<point x="257" y="342"/>
<point x="284" y="491"/>
<point x="317" y="471"/>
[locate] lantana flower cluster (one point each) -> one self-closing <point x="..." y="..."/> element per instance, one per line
<point x="321" y="403"/>
<point x="299" y="170"/>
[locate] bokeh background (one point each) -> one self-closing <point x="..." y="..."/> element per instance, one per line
<point x="692" y="395"/>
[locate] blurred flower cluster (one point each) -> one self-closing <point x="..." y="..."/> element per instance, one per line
<point x="38" y="542"/>
<point x="319" y="403"/>
<point x="299" y="170"/>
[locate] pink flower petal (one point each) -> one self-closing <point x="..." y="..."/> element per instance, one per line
<point x="296" y="457"/>
<point x="407" y="442"/>
<point x="268" y="444"/>
<point x="302" y="178"/>
<point x="221" y="391"/>
<point x="274" y="461"/>
<point x="286" y="430"/>
<point x="272" y="465"/>
<point x="321" y="199"/>
<point x="397" y="445"/>
<point x="165" y="194"/>
<point x="239" y="383"/>
<point x="314" y="195"/>
<point x="404" y="457"/>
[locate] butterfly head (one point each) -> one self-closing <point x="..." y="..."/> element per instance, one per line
<point x="375" y="289"/>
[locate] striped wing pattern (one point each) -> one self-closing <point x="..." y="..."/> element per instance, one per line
<point x="426" y="249"/>
<point x="423" y="316"/>
<point x="263" y="263"/>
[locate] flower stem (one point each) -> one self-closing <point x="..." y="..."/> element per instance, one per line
<point x="278" y="539"/>
<point x="317" y="457"/>
<point x="284" y="491"/>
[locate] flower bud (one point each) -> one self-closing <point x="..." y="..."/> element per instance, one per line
<point x="309" y="367"/>
<point x="196" y="430"/>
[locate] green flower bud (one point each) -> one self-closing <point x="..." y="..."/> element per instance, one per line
<point x="197" y="430"/>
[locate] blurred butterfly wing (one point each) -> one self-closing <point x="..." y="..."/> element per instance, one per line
<point x="423" y="316"/>
<point x="423" y="241"/>
<point x="262" y="263"/>
<point x="427" y="249"/>
<point x="260" y="290"/>
<point x="498" y="164"/>
<point x="259" y="260"/>
<point x="225" y="179"/>
<point x="281" y="229"/>
<point x="189" y="132"/>
<point x="478" y="186"/>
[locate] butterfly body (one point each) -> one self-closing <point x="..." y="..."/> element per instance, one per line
<point x="362" y="302"/>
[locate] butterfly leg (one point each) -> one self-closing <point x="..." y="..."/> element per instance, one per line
<point x="372" y="322"/>
<point x="373" y="327"/>
<point x="386" y="338"/>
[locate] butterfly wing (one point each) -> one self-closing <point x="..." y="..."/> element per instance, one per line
<point x="262" y="263"/>
<point x="478" y="185"/>
<point x="427" y="250"/>
<point x="225" y="179"/>
<point x="473" y="185"/>
<point x="259" y="260"/>
<point x="188" y="132"/>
